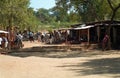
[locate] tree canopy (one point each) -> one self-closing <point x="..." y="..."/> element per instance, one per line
<point x="65" y="12"/>
<point x="16" y="13"/>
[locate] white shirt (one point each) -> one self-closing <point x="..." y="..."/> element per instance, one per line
<point x="1" y="41"/>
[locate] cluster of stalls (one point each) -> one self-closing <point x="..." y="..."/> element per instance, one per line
<point x="94" y="32"/>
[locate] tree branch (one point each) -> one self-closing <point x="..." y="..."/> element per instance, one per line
<point x="117" y="7"/>
<point x="109" y="2"/>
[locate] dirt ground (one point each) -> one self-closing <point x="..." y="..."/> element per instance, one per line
<point x="77" y="64"/>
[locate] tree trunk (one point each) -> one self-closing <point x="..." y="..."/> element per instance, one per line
<point x="114" y="10"/>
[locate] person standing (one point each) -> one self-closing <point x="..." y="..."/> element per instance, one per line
<point x="38" y="36"/>
<point x="105" y="42"/>
<point x="5" y="42"/>
<point x="1" y="41"/>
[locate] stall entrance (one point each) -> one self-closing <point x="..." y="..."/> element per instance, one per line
<point x="116" y="37"/>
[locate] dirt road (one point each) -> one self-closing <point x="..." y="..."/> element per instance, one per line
<point x="94" y="64"/>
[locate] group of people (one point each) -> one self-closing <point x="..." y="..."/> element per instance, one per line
<point x="60" y="37"/>
<point x="7" y="43"/>
<point x="52" y="37"/>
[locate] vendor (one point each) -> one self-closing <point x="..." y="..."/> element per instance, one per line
<point x="1" y="40"/>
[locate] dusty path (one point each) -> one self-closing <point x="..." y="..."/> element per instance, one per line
<point x="61" y="65"/>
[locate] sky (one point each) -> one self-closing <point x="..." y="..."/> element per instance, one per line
<point x="47" y="4"/>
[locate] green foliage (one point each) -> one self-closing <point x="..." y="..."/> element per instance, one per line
<point x="85" y="10"/>
<point x="17" y="13"/>
<point x="66" y="12"/>
<point x="43" y="15"/>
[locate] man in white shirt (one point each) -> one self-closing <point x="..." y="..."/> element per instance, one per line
<point x="1" y="41"/>
<point x="5" y="42"/>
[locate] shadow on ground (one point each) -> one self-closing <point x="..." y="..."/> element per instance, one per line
<point x="101" y="66"/>
<point x="56" y="52"/>
<point x="109" y="66"/>
<point x="52" y="54"/>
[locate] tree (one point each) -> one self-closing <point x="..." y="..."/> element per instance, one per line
<point x="43" y="15"/>
<point x="16" y="13"/>
<point x="32" y="21"/>
<point x="85" y="10"/>
<point x="61" y="10"/>
<point x="114" y="7"/>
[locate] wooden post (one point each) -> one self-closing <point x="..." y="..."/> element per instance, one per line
<point x="77" y="32"/>
<point x="114" y="35"/>
<point x="88" y="35"/>
<point x="79" y="35"/>
<point x="98" y="33"/>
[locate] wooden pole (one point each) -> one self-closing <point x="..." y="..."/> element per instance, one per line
<point x="88" y="35"/>
<point x="79" y="35"/>
<point x="114" y="35"/>
<point x="98" y="34"/>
